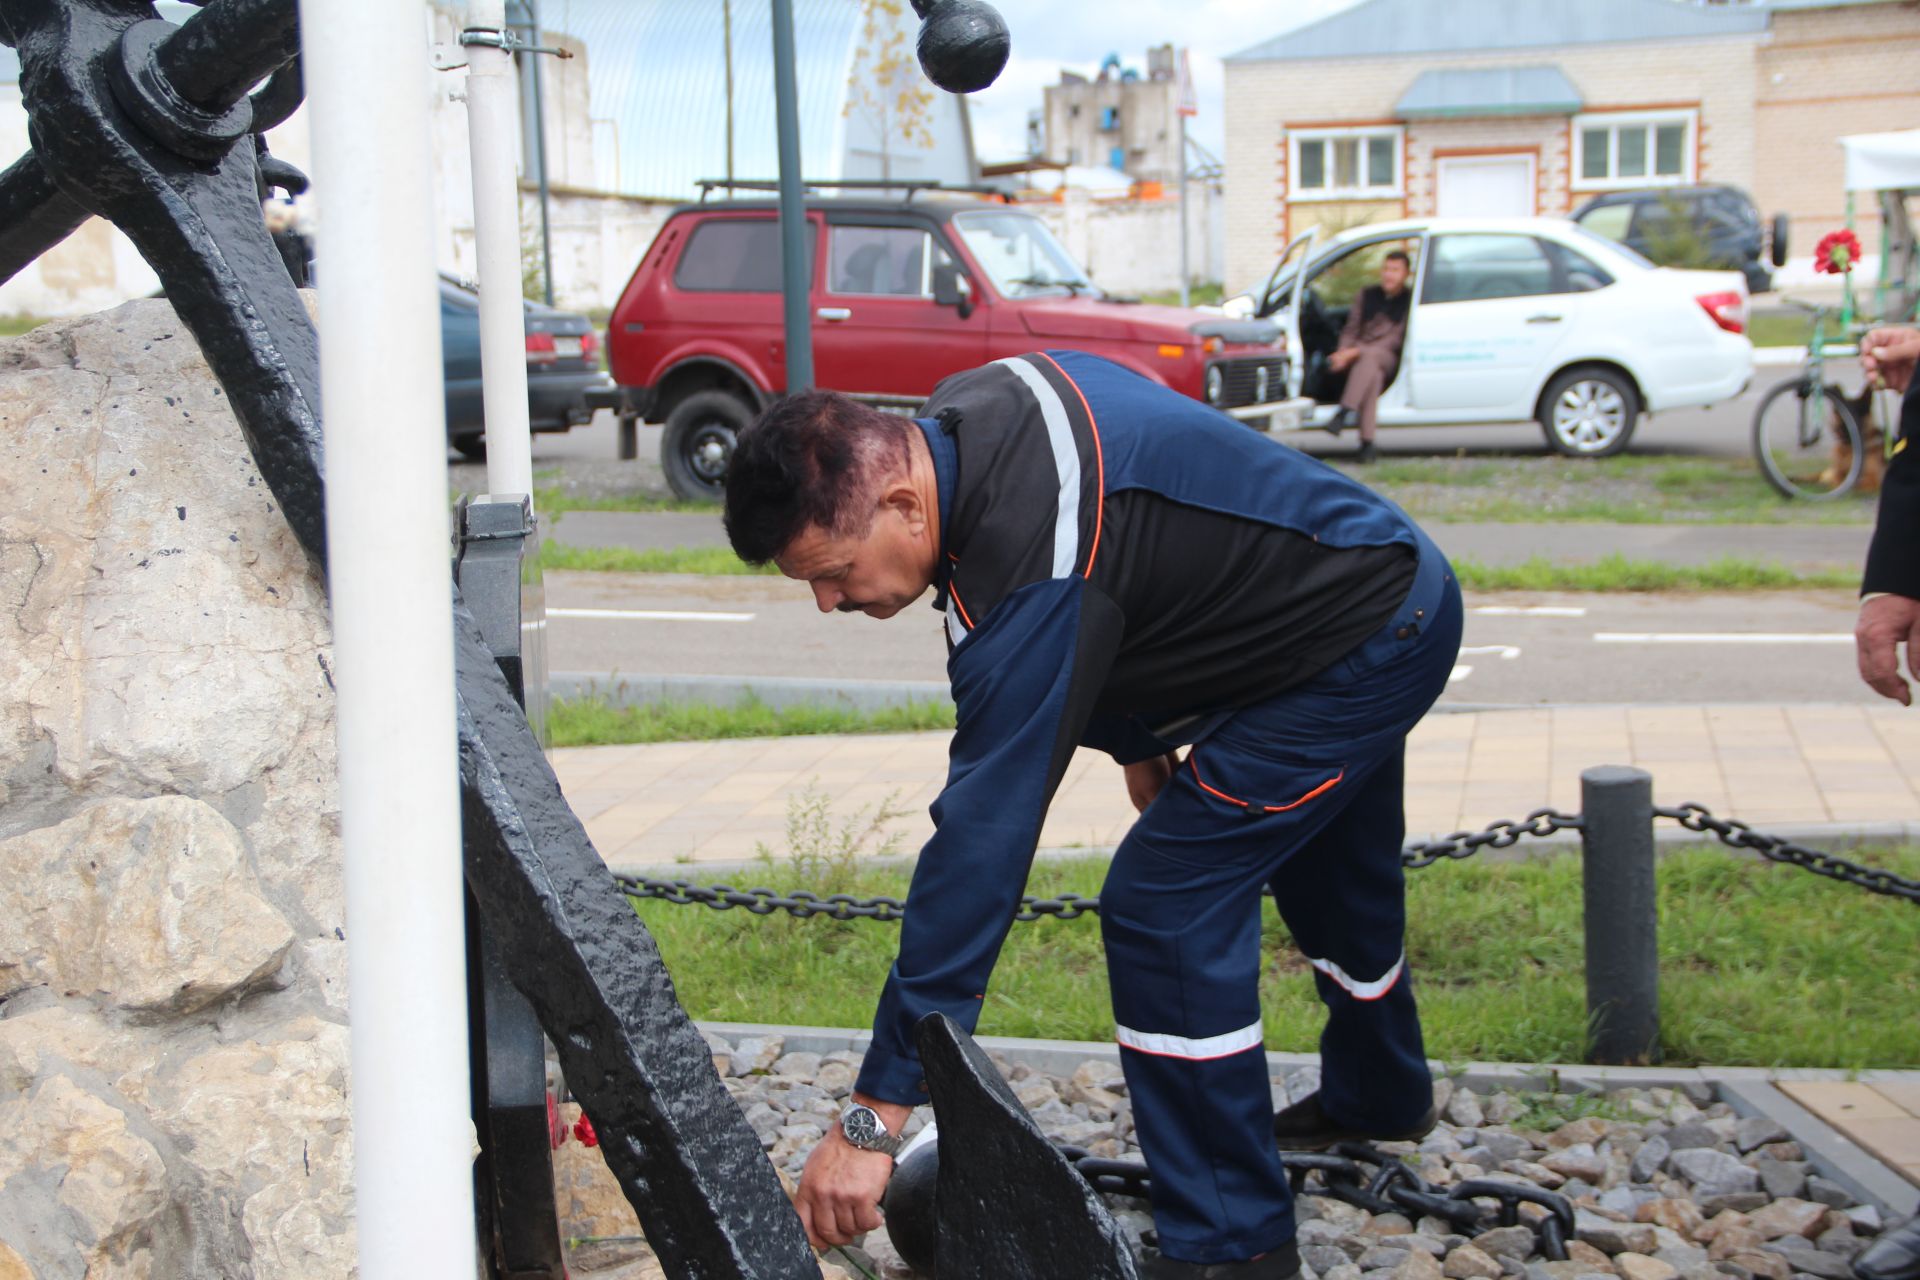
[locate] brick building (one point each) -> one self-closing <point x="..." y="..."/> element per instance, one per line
<point x="1398" y="108"/>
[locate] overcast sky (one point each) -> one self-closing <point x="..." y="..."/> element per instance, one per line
<point x="1077" y="35"/>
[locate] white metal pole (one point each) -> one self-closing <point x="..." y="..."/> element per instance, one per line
<point x="1186" y="276"/>
<point x="366" y="72"/>
<point x="493" y="104"/>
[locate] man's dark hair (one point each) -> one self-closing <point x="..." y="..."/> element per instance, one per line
<point x="815" y="458"/>
<point x="1400" y="256"/>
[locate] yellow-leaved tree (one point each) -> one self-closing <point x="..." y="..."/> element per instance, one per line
<point x="885" y="87"/>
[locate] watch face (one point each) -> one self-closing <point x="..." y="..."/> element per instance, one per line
<point x="861" y="1125"/>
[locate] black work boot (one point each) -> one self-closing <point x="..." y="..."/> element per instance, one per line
<point x="1281" y="1264"/>
<point x="1894" y="1256"/>
<point x="1305" y="1127"/>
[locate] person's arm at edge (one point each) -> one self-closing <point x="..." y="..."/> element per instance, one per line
<point x="1024" y="684"/>
<point x="1890" y="586"/>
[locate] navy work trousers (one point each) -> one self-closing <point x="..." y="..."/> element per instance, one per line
<point x="1302" y="792"/>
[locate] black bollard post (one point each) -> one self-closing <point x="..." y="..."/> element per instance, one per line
<point x="1623" y="954"/>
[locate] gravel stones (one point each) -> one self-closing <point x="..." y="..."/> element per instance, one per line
<point x="1647" y="1208"/>
<point x="1469" y="1262"/>
<point x="1712" y="1172"/>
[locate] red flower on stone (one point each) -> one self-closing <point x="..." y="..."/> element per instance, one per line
<point x="1837" y="252"/>
<point x="583" y="1130"/>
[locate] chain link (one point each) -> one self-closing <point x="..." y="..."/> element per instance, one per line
<point x="1461" y="844"/>
<point x="1501" y="835"/>
<point x="1390" y="1186"/>
<point x="1739" y="835"/>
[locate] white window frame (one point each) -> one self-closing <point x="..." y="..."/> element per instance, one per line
<point x="1308" y="194"/>
<point x="1612" y="122"/>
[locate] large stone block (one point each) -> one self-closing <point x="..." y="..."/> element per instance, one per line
<point x="173" y="1054"/>
<point x="158" y="910"/>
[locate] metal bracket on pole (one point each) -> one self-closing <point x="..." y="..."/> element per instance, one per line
<point x="508" y="42"/>
<point x="498" y="572"/>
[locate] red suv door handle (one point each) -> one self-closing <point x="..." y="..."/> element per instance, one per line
<point x="834" y="313"/>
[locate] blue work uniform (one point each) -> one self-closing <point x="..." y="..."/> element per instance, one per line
<point x="1125" y="568"/>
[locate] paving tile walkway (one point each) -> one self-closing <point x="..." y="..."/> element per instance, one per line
<point x="1805" y="766"/>
<point x="1883" y="1116"/>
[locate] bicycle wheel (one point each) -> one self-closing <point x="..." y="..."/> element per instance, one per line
<point x="1807" y="441"/>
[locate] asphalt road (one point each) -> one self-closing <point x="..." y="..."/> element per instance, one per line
<point x="1721" y="431"/>
<point x="1519" y="649"/>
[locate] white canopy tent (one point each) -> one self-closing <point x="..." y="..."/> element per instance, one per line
<point x="1883" y="161"/>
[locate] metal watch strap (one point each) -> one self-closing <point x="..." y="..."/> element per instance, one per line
<point x="885" y="1143"/>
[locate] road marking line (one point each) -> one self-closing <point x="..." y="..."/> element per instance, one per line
<point x="1530" y="611"/>
<point x="1507" y="652"/>
<point x="650" y="615"/>
<point x="1459" y="673"/>
<point x="1721" y="637"/>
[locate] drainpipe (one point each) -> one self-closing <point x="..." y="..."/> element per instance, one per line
<point x="537" y="136"/>
<point x="492" y="100"/>
<point x="366" y="68"/>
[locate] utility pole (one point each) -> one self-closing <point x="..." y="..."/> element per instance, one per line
<point x="726" y="27"/>
<point x="794" y="227"/>
<point x="1188" y="106"/>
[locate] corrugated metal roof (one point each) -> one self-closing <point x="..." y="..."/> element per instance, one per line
<point x="1489" y="91"/>
<point x="657" y="69"/>
<point x="1386" y="28"/>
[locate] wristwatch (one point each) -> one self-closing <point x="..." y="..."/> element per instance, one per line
<point x="863" y="1127"/>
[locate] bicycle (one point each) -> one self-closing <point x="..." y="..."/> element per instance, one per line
<point x="1809" y="436"/>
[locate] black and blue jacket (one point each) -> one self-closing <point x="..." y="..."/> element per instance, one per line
<point x="1121" y="566"/>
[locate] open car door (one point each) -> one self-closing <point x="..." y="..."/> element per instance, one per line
<point x="1280" y="300"/>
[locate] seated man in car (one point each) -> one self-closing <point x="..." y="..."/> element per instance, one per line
<point x="1369" y="349"/>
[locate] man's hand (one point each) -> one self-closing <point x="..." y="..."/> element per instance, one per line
<point x="1886" y="622"/>
<point x="840" y="1189"/>
<point x="1340" y="359"/>
<point x="1889" y="354"/>
<point x="1145" y="779"/>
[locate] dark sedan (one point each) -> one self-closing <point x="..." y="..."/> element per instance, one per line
<point x="563" y="366"/>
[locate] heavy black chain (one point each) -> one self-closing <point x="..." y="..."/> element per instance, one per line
<point x="1366" y="1177"/>
<point x="1068" y="906"/>
<point x="1739" y="835"/>
<point x="1464" y="844"/>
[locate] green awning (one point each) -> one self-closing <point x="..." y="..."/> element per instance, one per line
<point x="1489" y="91"/>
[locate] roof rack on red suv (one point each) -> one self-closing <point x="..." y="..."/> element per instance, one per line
<point x="903" y="292"/>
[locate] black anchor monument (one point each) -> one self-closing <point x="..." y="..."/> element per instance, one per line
<point x="151" y="127"/>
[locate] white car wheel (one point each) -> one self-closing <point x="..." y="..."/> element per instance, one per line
<point x="1588" y="413"/>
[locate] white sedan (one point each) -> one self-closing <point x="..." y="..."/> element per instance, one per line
<point x="1513" y="320"/>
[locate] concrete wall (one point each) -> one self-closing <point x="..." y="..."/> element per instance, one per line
<point x="1133" y="246"/>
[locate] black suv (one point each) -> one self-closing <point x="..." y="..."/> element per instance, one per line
<point x="1667" y="223"/>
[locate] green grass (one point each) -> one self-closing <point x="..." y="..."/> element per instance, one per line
<point x="1627" y="489"/>
<point x="1199" y="295"/>
<point x="1760" y="964"/>
<point x="556" y="500"/>
<point x="597" y="721"/>
<point x="12" y="326"/>
<point x="1779" y="328"/>
<point x="1618" y="573"/>
<point x="709" y="560"/>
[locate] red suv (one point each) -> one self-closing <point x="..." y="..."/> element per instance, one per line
<point x="904" y="292"/>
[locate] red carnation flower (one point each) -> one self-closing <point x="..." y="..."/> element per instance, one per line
<point x="583" y="1130"/>
<point x="1837" y="252"/>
